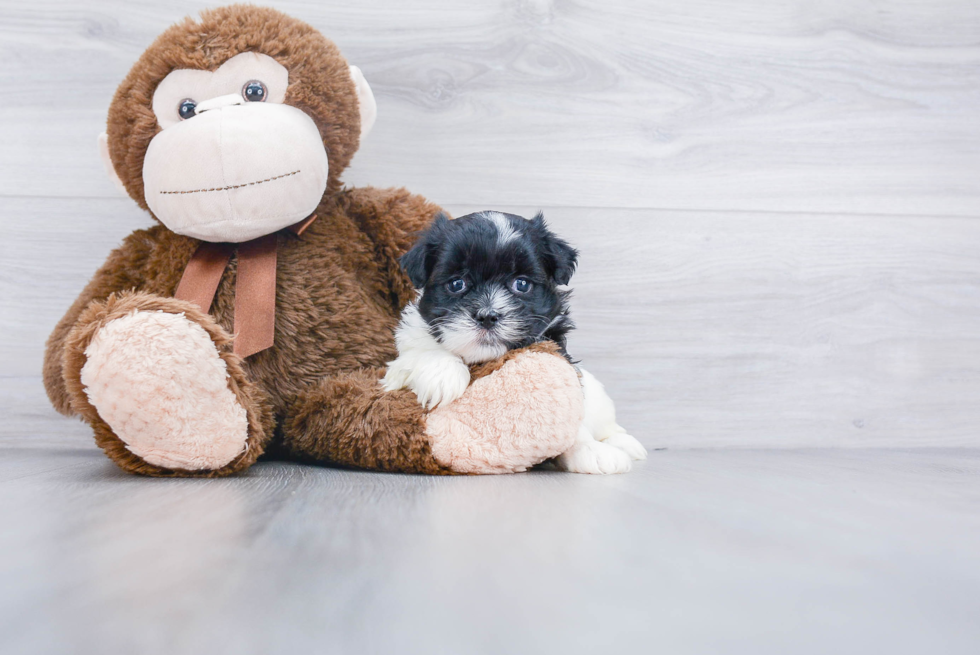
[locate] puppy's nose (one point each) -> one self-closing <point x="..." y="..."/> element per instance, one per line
<point x="487" y="318"/>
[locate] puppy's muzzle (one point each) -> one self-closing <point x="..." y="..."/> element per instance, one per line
<point x="487" y="318"/>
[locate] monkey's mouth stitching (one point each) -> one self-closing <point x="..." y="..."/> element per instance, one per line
<point x="233" y="186"/>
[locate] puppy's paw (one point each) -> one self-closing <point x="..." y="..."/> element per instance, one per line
<point x="440" y="382"/>
<point x="626" y="443"/>
<point x="397" y="376"/>
<point x="594" y="457"/>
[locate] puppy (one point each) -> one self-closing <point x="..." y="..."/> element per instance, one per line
<point x="489" y="283"/>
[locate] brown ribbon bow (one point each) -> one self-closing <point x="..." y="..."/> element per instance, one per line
<point x="255" y="286"/>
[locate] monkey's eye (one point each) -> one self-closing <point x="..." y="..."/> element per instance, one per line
<point x="254" y="91"/>
<point x="186" y="109"/>
<point x="521" y="285"/>
<point x="456" y="286"/>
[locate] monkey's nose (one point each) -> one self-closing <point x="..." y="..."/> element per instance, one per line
<point x="219" y="102"/>
<point x="487" y="318"/>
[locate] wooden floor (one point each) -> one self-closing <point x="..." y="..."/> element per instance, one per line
<point x="778" y="209"/>
<point x="695" y="551"/>
<point x="776" y="202"/>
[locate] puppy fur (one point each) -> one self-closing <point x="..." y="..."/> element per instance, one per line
<point x="489" y="283"/>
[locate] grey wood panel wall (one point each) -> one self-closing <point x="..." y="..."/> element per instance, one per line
<point x="830" y="106"/>
<point x="777" y="202"/>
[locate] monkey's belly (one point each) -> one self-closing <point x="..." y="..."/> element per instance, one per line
<point x="323" y="329"/>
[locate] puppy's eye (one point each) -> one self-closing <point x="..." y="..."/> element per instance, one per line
<point x="521" y="285"/>
<point x="254" y="91"/>
<point x="187" y="108"/>
<point x="457" y="286"/>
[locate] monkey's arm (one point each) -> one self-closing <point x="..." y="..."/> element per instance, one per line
<point x="392" y="219"/>
<point x="121" y="271"/>
<point x="520" y="410"/>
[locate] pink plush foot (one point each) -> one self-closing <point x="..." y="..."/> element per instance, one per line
<point x="156" y="378"/>
<point x="524" y="413"/>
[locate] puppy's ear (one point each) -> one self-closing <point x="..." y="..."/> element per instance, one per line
<point x="420" y="260"/>
<point x="559" y="258"/>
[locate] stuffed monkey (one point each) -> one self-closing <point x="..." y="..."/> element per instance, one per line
<point x="258" y="313"/>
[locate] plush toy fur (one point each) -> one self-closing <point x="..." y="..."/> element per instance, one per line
<point x="319" y="82"/>
<point x="314" y="395"/>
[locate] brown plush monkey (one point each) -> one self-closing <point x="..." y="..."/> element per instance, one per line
<point x="233" y="132"/>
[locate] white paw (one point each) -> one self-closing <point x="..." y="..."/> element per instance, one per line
<point x="435" y="380"/>
<point x="626" y="443"/>
<point x="594" y="457"/>
<point x="396" y="376"/>
<point x="437" y="385"/>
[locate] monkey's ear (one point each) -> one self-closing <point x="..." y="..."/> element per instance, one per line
<point x="560" y="258"/>
<point x="365" y="100"/>
<point x="107" y="162"/>
<point x="421" y="259"/>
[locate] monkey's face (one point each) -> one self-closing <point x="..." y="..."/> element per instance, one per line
<point x="232" y="162"/>
<point x="233" y="127"/>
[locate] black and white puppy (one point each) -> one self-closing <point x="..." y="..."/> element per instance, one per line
<point x="490" y="282"/>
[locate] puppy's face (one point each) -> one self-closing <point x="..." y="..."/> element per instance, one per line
<point x="489" y="282"/>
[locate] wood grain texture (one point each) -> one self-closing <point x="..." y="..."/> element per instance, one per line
<point x="693" y="552"/>
<point x="30" y="422"/>
<point x="829" y="106"/>
<point x="709" y="329"/>
<point x="781" y="252"/>
<point x="780" y="330"/>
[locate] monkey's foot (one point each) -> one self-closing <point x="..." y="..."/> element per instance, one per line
<point x="518" y="414"/>
<point x="156" y="378"/>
